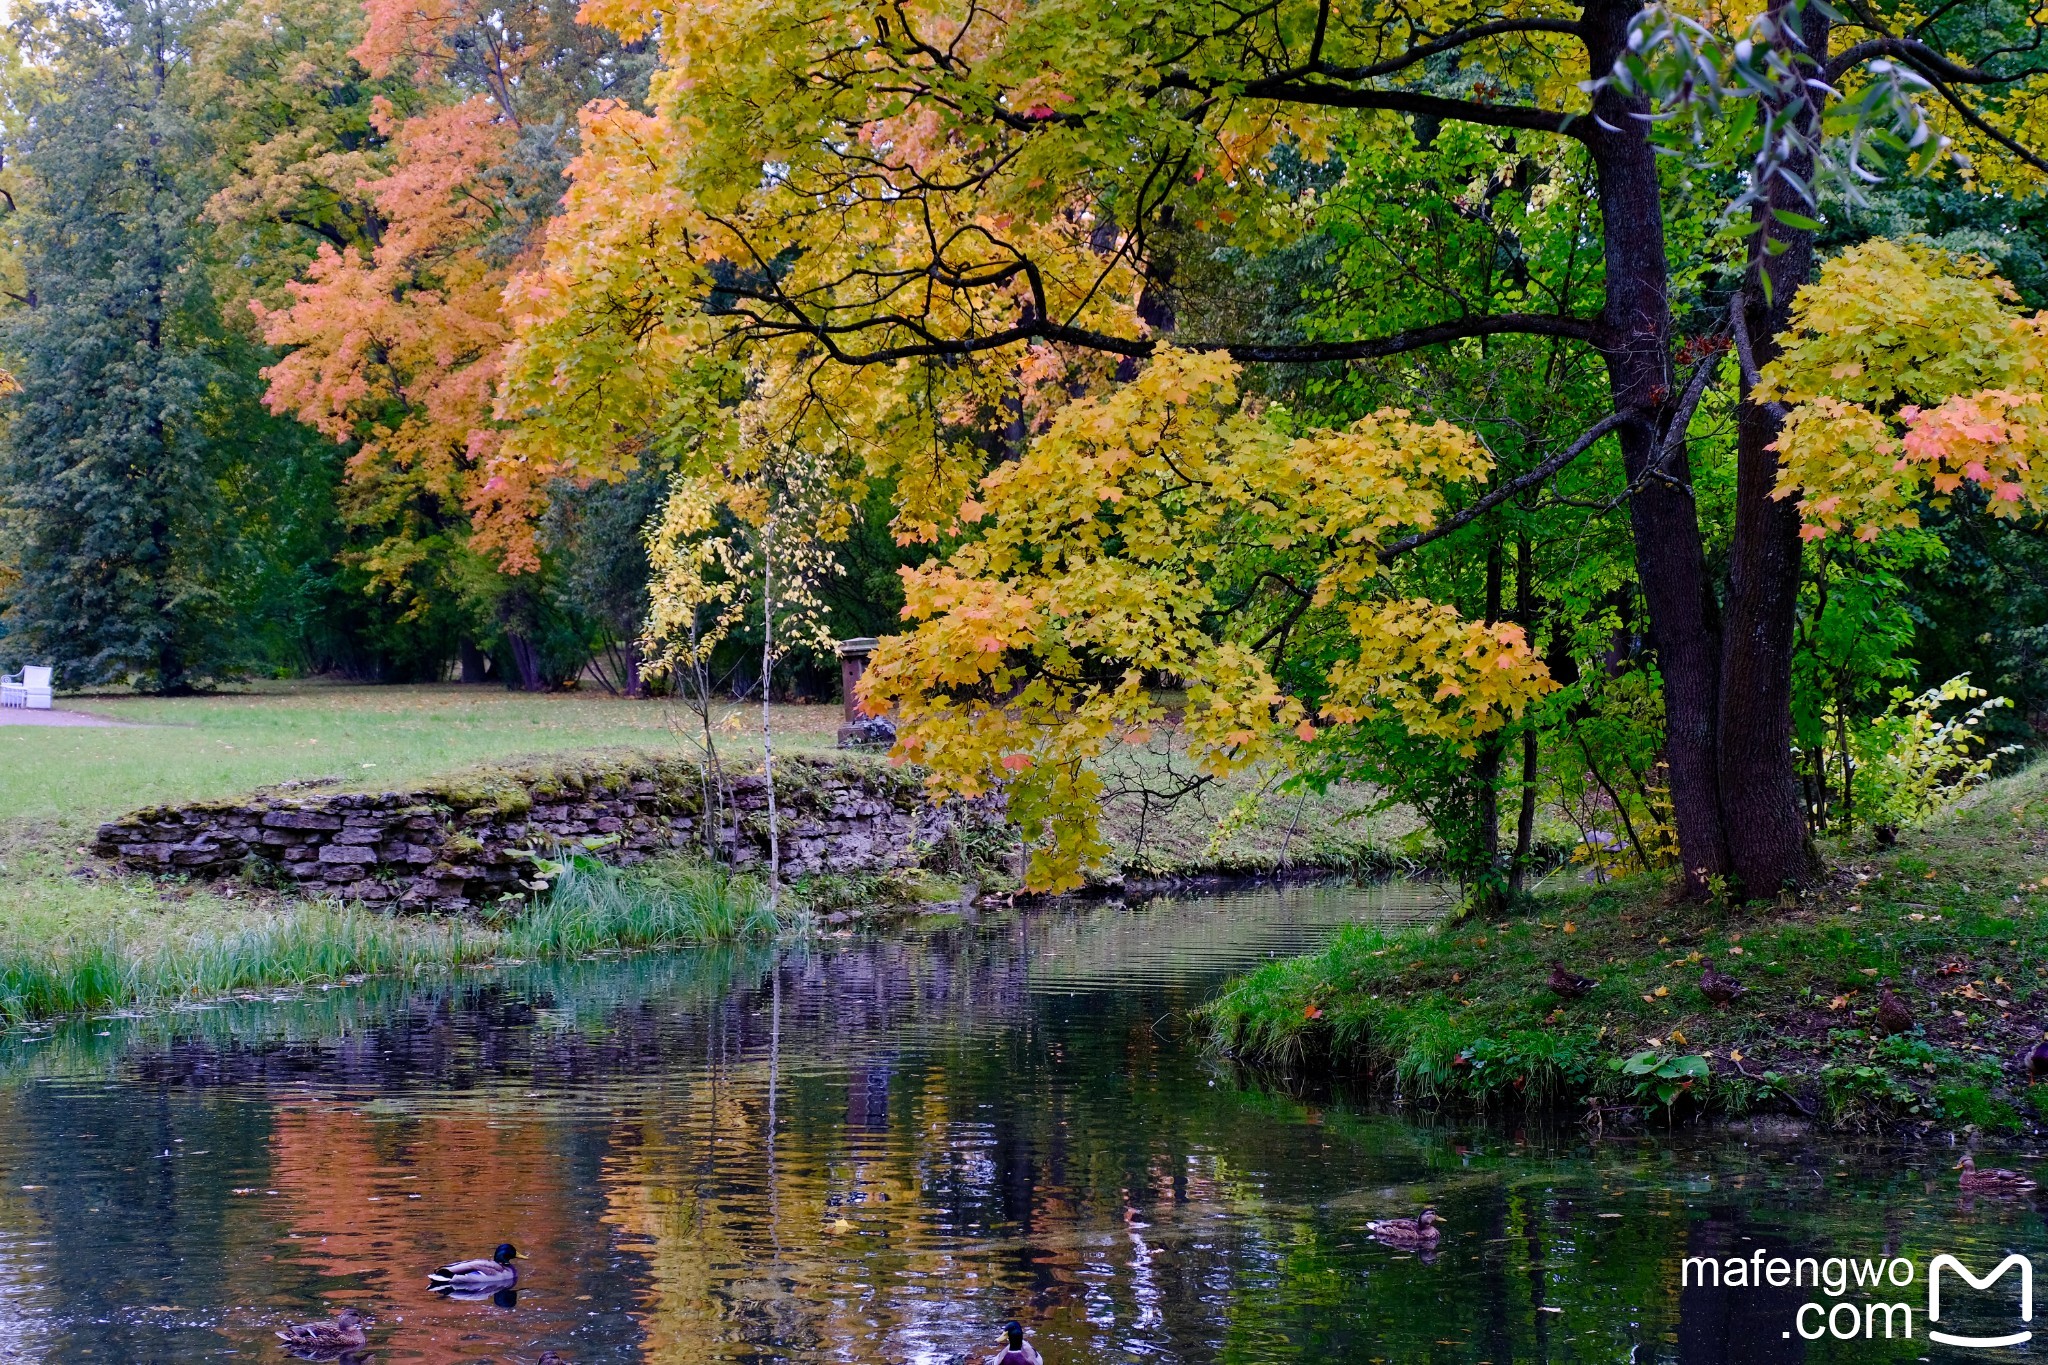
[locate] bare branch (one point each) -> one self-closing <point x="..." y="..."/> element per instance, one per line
<point x="1414" y="339"/>
<point x="1926" y="60"/>
<point x="1513" y="486"/>
<point x="1523" y="116"/>
<point x="1449" y="42"/>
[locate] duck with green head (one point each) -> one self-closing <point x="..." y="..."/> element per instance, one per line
<point x="492" y="1272"/>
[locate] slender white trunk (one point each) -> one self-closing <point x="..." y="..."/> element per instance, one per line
<point x="767" y="732"/>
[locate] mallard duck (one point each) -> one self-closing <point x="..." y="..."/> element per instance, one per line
<point x="1017" y="1351"/>
<point x="550" y="1358"/>
<point x="348" y="1331"/>
<point x="1892" y="1014"/>
<point x="2000" y="1181"/>
<point x="496" y="1272"/>
<point x="1719" y="987"/>
<point x="1570" y="984"/>
<point x="2034" y="1061"/>
<point x="1419" y="1231"/>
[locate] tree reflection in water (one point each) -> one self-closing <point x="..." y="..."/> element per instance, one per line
<point x="879" y="1151"/>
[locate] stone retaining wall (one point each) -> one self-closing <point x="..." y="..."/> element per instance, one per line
<point x="453" y="846"/>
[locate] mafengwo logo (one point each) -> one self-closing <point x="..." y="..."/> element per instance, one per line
<point x="1860" y="1299"/>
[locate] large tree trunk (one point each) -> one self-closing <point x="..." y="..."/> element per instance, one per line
<point x="1670" y="560"/>
<point x="1767" y="834"/>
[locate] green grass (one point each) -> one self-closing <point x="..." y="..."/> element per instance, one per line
<point x="110" y="954"/>
<point x="199" y="748"/>
<point x="653" y="906"/>
<point x="1955" y="917"/>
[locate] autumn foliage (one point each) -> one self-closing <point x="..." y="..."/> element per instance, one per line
<point x="1910" y="375"/>
<point x="1102" y="566"/>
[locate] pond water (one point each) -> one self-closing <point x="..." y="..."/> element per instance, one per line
<point x="878" y="1151"/>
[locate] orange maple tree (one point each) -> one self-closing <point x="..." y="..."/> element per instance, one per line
<point x="397" y="346"/>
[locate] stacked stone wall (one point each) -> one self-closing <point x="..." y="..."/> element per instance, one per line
<point x="457" y="845"/>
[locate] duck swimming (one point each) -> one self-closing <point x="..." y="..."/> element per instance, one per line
<point x="1419" y="1231"/>
<point x="1018" y="1351"/>
<point x="347" y="1332"/>
<point x="492" y="1273"/>
<point x="2000" y="1181"/>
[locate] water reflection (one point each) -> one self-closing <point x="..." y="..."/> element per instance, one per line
<point x="878" y="1152"/>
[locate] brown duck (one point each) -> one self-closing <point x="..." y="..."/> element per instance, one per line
<point x="1569" y="984"/>
<point x="347" y="1332"/>
<point x="1718" y="986"/>
<point x="1419" y="1231"/>
<point x="2034" y="1061"/>
<point x="1892" y="1014"/>
<point x="2000" y="1181"/>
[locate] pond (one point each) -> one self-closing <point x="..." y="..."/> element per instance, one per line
<point x="878" y="1150"/>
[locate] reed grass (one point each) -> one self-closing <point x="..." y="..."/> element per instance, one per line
<point x="661" y="905"/>
<point x="657" y="905"/>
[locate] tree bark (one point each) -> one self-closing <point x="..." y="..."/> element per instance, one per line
<point x="1525" y="820"/>
<point x="1670" y="559"/>
<point x="767" y="728"/>
<point x="525" y="663"/>
<point x="1769" y="844"/>
<point x="1486" y="770"/>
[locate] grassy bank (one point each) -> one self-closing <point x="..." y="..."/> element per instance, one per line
<point x="126" y="957"/>
<point x="1954" y="918"/>
<point x="173" y="749"/>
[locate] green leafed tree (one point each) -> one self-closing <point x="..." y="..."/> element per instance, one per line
<point x="113" y="502"/>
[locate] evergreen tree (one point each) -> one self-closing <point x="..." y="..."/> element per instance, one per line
<point x="113" y="504"/>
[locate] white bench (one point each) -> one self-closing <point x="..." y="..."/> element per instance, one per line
<point x="29" y="688"/>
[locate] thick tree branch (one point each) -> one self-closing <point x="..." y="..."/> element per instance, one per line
<point x="1688" y="404"/>
<point x="1521" y="116"/>
<point x="1414" y="339"/>
<point x="1448" y="43"/>
<point x="1512" y="487"/>
<point x="832" y="336"/>
<point x="1975" y="120"/>
<point x="1926" y="60"/>
<point x="1745" y="353"/>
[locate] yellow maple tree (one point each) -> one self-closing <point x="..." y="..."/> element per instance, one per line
<point x="1909" y="372"/>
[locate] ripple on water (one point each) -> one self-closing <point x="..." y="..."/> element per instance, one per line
<point x="878" y="1152"/>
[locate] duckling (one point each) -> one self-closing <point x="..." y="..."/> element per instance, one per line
<point x="2000" y="1181"/>
<point x="2034" y="1060"/>
<point x="1892" y="1014"/>
<point x="1420" y="1231"/>
<point x="1719" y="987"/>
<point x="1017" y="1351"/>
<point x="1569" y="984"/>
<point x="496" y="1272"/>
<point x="347" y="1332"/>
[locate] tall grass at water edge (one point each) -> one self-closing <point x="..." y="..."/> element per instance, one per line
<point x="593" y="908"/>
<point x="588" y="910"/>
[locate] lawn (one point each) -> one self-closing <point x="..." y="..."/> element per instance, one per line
<point x="1954" y="918"/>
<point x="227" y="744"/>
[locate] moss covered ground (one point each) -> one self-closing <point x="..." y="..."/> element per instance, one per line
<point x="1954" y="918"/>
